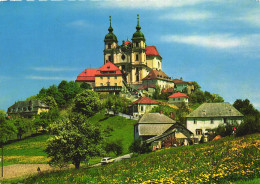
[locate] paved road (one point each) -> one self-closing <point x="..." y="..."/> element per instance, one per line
<point x="124" y="115"/>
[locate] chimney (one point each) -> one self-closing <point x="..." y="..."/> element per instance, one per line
<point x="172" y="115"/>
<point x="161" y="111"/>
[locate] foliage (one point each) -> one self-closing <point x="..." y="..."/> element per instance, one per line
<point x="75" y="140"/>
<point x="167" y="110"/>
<point x="116" y="104"/>
<point x="200" y="97"/>
<point x="140" y="147"/>
<point x="224" y="161"/>
<point x="87" y="103"/>
<point x="21" y="126"/>
<point x="7" y="129"/>
<point x="69" y="90"/>
<point x="114" y="146"/>
<point x="248" y="127"/>
<point x="181" y="113"/>
<point x="157" y="92"/>
<point x="85" y="86"/>
<point x="224" y="129"/>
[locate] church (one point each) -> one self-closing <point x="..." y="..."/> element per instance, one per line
<point x="136" y="61"/>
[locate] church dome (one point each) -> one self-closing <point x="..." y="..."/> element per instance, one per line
<point x="110" y="36"/>
<point x="138" y="35"/>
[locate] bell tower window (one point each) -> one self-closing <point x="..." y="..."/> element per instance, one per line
<point x="109" y="46"/>
<point x="137" y="57"/>
<point x="109" y="58"/>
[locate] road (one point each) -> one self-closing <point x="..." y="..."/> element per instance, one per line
<point x="117" y="159"/>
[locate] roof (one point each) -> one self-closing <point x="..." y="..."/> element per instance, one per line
<point x="152" y="51"/>
<point x="155" y="74"/>
<point x="155" y="118"/>
<point x="147" y="86"/>
<point x="128" y="43"/>
<point x="215" y="110"/>
<point x="87" y="75"/>
<point x="169" y="90"/>
<point x="34" y="103"/>
<point x="145" y="100"/>
<point x="176" y="81"/>
<point x="109" y="69"/>
<point x="178" y="95"/>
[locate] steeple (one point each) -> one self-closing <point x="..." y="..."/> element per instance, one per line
<point x="138" y="27"/>
<point x="110" y="37"/>
<point x="138" y="35"/>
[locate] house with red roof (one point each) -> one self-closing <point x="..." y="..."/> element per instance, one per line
<point x="178" y="98"/>
<point x="183" y="86"/>
<point x="142" y="105"/>
<point x="87" y="76"/>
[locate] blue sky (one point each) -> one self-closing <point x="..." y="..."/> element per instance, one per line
<point x="213" y="42"/>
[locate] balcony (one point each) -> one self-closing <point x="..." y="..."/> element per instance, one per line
<point x="108" y="88"/>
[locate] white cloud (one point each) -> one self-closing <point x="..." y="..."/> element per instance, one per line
<point x="209" y="41"/>
<point x="148" y="4"/>
<point x="252" y="18"/>
<point x="54" y="69"/>
<point x="49" y="78"/>
<point x="188" y="16"/>
<point x="79" y="23"/>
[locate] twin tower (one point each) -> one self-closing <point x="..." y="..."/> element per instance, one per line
<point x="134" y="59"/>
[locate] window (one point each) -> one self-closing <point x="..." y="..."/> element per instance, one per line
<point x="109" y="46"/>
<point x="198" y="132"/>
<point x="101" y="84"/>
<point x="109" y="58"/>
<point x="108" y="78"/>
<point x="194" y="121"/>
<point x="137" y="57"/>
<point x="115" y="84"/>
<point x="179" y="99"/>
<point x="101" y="78"/>
<point x="211" y="121"/>
<point x="123" y="57"/>
<point x="108" y="83"/>
<point x="115" y="77"/>
<point x="142" y="108"/>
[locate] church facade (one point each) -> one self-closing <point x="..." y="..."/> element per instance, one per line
<point x="135" y="59"/>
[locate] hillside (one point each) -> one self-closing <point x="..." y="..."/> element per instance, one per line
<point x="228" y="159"/>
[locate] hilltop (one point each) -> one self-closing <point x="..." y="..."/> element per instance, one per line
<point x="228" y="159"/>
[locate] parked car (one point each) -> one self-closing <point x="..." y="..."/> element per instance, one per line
<point x="107" y="160"/>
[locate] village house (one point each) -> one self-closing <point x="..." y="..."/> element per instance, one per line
<point x="27" y="109"/>
<point x="183" y="86"/>
<point x="87" y="76"/>
<point x="178" y="98"/>
<point x="209" y="116"/>
<point x="142" y="105"/>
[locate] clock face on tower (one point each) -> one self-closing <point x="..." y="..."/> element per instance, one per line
<point x="123" y="57"/>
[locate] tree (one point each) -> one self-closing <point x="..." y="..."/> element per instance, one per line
<point x="114" y="146"/>
<point x="139" y="147"/>
<point x="181" y="113"/>
<point x="21" y="126"/>
<point x="7" y="129"/>
<point x="196" y="86"/>
<point x="69" y="90"/>
<point x="85" y="86"/>
<point x="75" y="140"/>
<point x="156" y="93"/>
<point x="50" y="101"/>
<point x="87" y="103"/>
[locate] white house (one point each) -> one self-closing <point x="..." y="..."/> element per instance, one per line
<point x="209" y="116"/>
<point x="143" y="105"/>
<point x="178" y="98"/>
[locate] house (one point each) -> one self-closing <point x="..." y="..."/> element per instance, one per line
<point x="183" y="86"/>
<point x="27" y="109"/>
<point x="87" y="76"/>
<point x="209" y="116"/>
<point x="158" y="78"/>
<point x="152" y="124"/>
<point x="178" y="98"/>
<point x="108" y="78"/>
<point x="142" y="105"/>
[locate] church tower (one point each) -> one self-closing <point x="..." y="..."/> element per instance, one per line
<point x="110" y="44"/>
<point x="138" y="55"/>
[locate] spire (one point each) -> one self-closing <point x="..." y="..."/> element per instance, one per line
<point x="110" y="29"/>
<point x="138" y="27"/>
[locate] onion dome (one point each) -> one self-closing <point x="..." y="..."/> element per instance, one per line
<point x="110" y="37"/>
<point x="138" y="35"/>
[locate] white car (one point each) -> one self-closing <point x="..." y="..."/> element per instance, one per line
<point x="107" y="160"/>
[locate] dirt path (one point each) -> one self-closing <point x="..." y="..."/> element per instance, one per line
<point x="19" y="170"/>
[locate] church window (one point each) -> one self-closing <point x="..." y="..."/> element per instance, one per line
<point x="136" y="57"/>
<point x="123" y="57"/>
<point x="109" y="58"/>
<point x="137" y="77"/>
<point x="109" y="46"/>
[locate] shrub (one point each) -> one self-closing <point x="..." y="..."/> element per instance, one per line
<point x="139" y="147"/>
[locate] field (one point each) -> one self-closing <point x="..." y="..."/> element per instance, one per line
<point x="227" y="160"/>
<point x="31" y="150"/>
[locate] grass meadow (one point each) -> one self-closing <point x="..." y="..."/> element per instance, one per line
<point x="228" y="160"/>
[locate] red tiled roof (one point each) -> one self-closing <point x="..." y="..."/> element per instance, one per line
<point x="152" y="51"/>
<point x="176" y="81"/>
<point x="128" y="42"/>
<point x="178" y="95"/>
<point x="109" y="69"/>
<point x="169" y="90"/>
<point x="155" y="74"/>
<point x="147" y="86"/>
<point x="145" y="100"/>
<point x="87" y="75"/>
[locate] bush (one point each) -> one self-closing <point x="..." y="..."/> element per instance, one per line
<point x="115" y="147"/>
<point x="139" y="147"/>
<point x="248" y="127"/>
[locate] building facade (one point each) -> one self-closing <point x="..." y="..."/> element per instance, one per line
<point x="143" y="105"/>
<point x="209" y="116"/>
<point x="183" y="86"/>
<point x="178" y="98"/>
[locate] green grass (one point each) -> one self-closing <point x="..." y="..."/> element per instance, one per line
<point x="224" y="161"/>
<point x="29" y="150"/>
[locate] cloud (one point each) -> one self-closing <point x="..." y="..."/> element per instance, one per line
<point x="79" y="23"/>
<point x="187" y="16"/>
<point x="219" y="41"/>
<point x="54" y="69"/>
<point x="252" y="18"/>
<point x="151" y="4"/>
<point x="49" y="78"/>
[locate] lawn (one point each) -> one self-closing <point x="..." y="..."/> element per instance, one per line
<point x="228" y="160"/>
